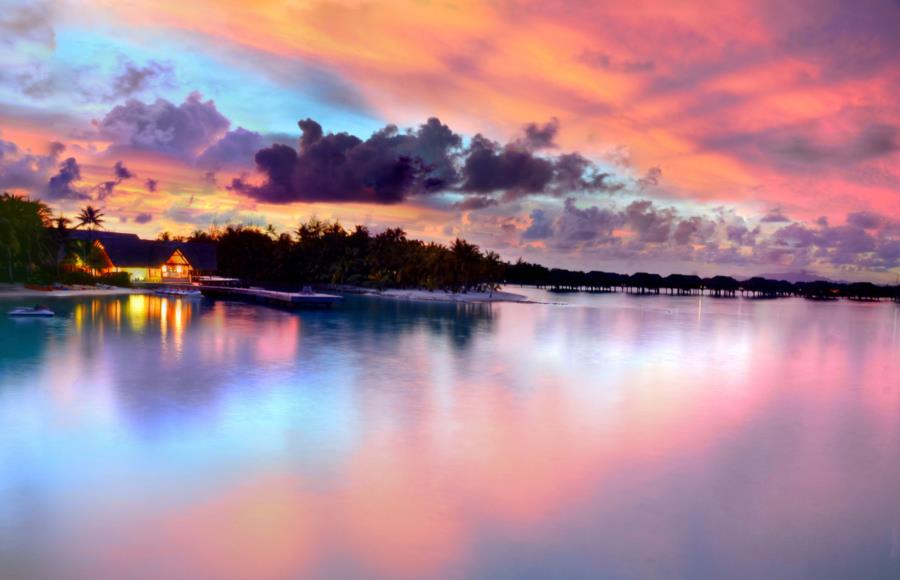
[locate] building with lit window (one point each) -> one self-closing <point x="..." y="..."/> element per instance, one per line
<point x="152" y="260"/>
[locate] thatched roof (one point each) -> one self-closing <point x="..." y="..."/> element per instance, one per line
<point x="137" y="253"/>
<point x="201" y="255"/>
<point x="99" y="235"/>
<point x="129" y="251"/>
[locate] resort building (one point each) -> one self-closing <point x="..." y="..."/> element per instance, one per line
<point x="152" y="260"/>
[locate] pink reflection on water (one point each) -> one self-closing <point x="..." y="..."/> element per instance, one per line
<point x="766" y="434"/>
<point x="261" y="527"/>
<point x="278" y="340"/>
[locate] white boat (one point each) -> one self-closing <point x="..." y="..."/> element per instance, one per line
<point x="32" y="312"/>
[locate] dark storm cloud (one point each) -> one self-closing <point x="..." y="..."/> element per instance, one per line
<point x="491" y="167"/>
<point x="143" y="218"/>
<point x="475" y="202"/>
<point x="541" y="136"/>
<point x="518" y="172"/>
<point x="310" y="133"/>
<point x="573" y="172"/>
<point x="61" y="185"/>
<point x="163" y="127"/>
<point x="121" y="172"/>
<point x="385" y="168"/>
<point x="438" y="147"/>
<point x="392" y="165"/>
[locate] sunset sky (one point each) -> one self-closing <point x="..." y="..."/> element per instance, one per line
<point x="692" y="137"/>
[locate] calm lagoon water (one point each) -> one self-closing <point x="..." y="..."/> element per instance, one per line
<point x="610" y="437"/>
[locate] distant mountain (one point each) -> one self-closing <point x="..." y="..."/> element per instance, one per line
<point x="794" y="277"/>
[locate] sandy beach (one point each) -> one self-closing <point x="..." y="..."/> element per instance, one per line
<point x="20" y="291"/>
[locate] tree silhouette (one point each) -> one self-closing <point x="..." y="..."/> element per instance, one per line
<point x="86" y="255"/>
<point x="90" y="217"/>
<point x="23" y="234"/>
<point x="62" y="223"/>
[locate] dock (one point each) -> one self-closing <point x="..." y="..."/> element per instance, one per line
<point x="274" y="297"/>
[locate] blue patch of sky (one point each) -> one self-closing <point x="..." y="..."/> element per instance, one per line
<point x="247" y="95"/>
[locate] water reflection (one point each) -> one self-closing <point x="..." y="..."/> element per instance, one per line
<point x="676" y="437"/>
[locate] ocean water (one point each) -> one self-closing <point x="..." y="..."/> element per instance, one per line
<point x="606" y="436"/>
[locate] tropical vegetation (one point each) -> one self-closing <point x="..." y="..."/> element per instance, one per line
<point x="91" y="218"/>
<point x="35" y="246"/>
<point x="26" y="245"/>
<point x="323" y="252"/>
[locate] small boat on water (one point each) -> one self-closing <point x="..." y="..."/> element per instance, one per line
<point x="183" y="292"/>
<point x="37" y="311"/>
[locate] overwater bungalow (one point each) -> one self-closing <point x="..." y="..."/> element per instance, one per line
<point x="152" y="260"/>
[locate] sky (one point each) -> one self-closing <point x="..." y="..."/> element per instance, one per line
<point x="692" y="137"/>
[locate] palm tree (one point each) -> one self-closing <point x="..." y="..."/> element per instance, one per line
<point x="62" y="223"/>
<point x="492" y="271"/>
<point x="91" y="217"/>
<point x="23" y="233"/>
<point x="85" y="254"/>
<point x="61" y="238"/>
<point x="466" y="256"/>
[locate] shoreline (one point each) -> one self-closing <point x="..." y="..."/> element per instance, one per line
<point x="420" y="295"/>
<point x="19" y="291"/>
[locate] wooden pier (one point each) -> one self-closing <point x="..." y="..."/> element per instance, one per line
<point x="274" y="297"/>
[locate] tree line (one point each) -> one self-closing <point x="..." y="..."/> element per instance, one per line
<point x="324" y="252"/>
<point x="35" y="247"/>
<point x="562" y="280"/>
